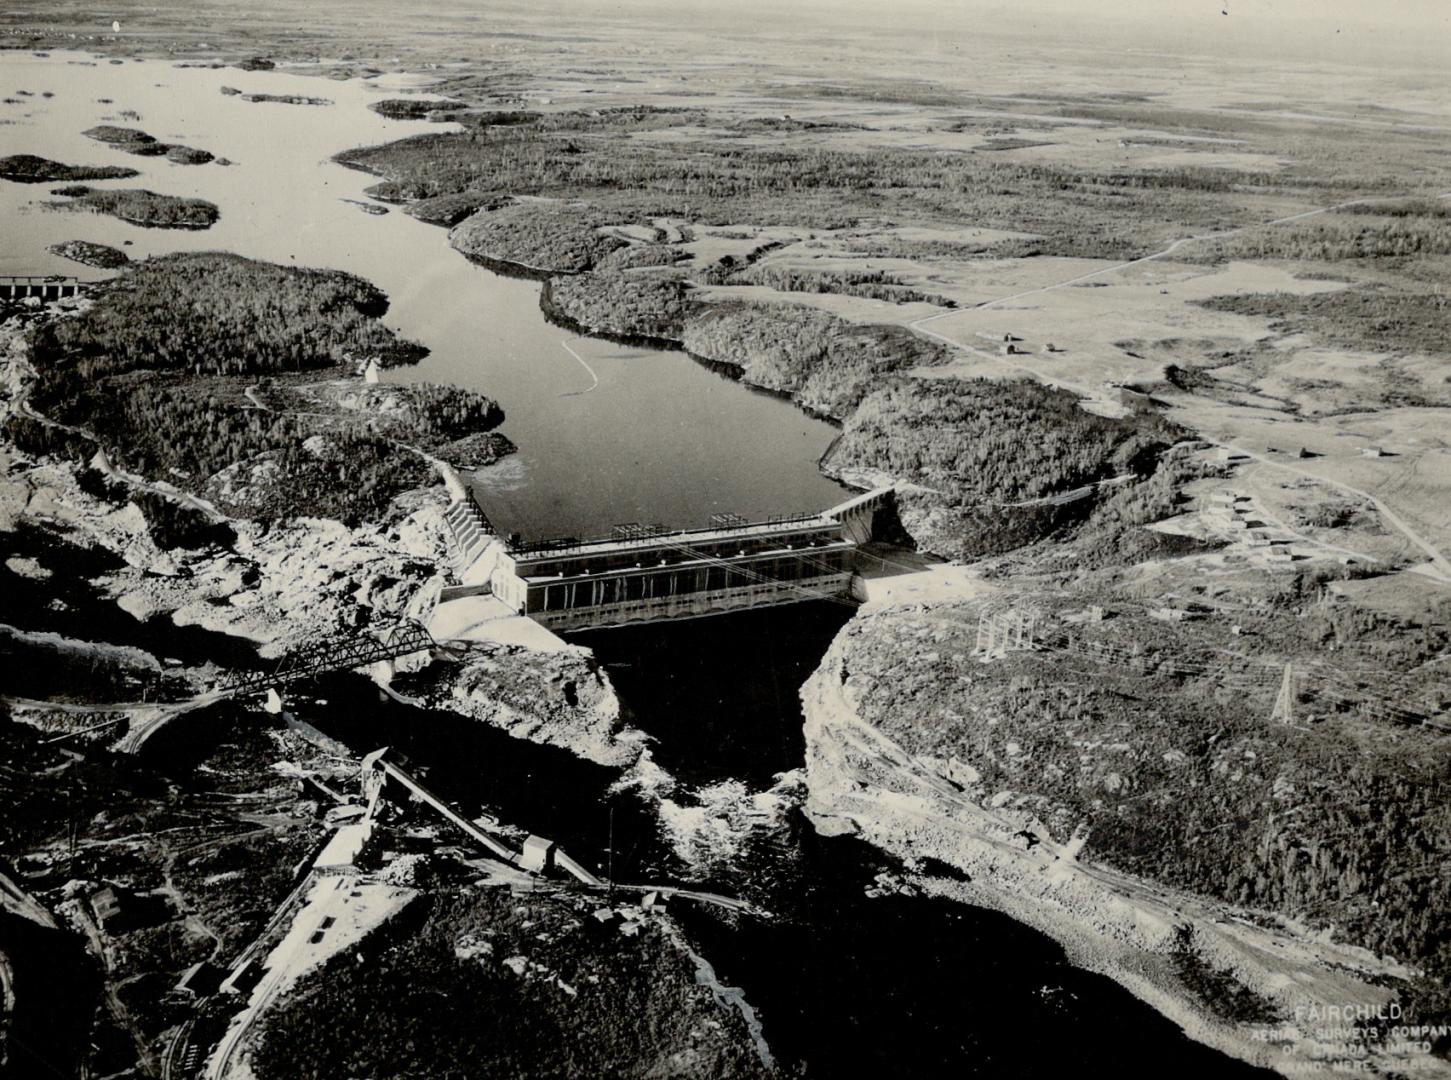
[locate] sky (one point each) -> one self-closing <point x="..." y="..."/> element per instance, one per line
<point x="1353" y="31"/>
<point x="1373" y="30"/>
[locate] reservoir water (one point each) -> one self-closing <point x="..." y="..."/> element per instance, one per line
<point x="658" y="439"/>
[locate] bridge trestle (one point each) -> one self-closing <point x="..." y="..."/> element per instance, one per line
<point x="387" y="643"/>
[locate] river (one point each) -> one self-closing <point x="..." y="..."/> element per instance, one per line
<point x="846" y="980"/>
<point x="847" y="983"/>
<point x="607" y="433"/>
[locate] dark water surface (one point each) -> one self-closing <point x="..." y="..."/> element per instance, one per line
<point x="845" y="984"/>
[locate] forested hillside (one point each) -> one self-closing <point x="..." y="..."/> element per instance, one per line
<point x="620" y="305"/>
<point x="827" y="363"/>
<point x="219" y="314"/>
<point x="187" y="368"/>
<point x="538" y="236"/>
<point x="1154" y="742"/>
<point x="980" y="439"/>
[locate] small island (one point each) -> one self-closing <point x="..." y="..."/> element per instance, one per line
<point x="288" y="99"/>
<point x="101" y="256"/>
<point x="414" y="108"/>
<point x="30" y="169"/>
<point x="116" y="135"/>
<point x="188" y="155"/>
<point x="140" y="207"/>
<point x="135" y="141"/>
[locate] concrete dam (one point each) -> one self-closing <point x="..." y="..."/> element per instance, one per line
<point x="54" y="287"/>
<point x="644" y="573"/>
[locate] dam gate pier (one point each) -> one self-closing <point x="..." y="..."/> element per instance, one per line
<point x="645" y="573"/>
<point x="54" y="287"/>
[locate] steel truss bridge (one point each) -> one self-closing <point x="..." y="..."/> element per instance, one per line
<point x="387" y="643"/>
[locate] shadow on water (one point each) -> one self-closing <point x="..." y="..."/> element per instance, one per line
<point x="57" y="988"/>
<point x="478" y="768"/>
<point x="899" y="986"/>
<point x="721" y="695"/>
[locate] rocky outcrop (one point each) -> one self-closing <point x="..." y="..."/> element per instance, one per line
<point x="52" y="494"/>
<point x="861" y="782"/>
<point x="88" y="254"/>
<point x="308" y="578"/>
<point x="559" y="699"/>
<point x="303" y="578"/>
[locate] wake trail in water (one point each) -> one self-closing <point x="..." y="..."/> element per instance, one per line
<point x="592" y="375"/>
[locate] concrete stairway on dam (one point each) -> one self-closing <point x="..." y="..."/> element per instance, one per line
<point x="471" y="531"/>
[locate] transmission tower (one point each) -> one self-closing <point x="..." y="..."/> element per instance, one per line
<point x="984" y="645"/>
<point x="999" y="633"/>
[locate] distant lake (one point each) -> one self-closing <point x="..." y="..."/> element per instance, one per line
<point x="660" y="438"/>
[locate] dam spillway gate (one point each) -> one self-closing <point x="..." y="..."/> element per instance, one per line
<point x="46" y="288"/>
<point x="643" y="573"/>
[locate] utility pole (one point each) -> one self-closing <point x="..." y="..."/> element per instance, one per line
<point x="610" y="863"/>
<point x="1284" y="710"/>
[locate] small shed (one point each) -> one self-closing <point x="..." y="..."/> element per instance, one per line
<point x="1168" y="614"/>
<point x="538" y="855"/>
<point x="106" y="906"/>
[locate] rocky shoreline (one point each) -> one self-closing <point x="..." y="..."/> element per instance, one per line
<point x="276" y="586"/>
<point x="930" y="811"/>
